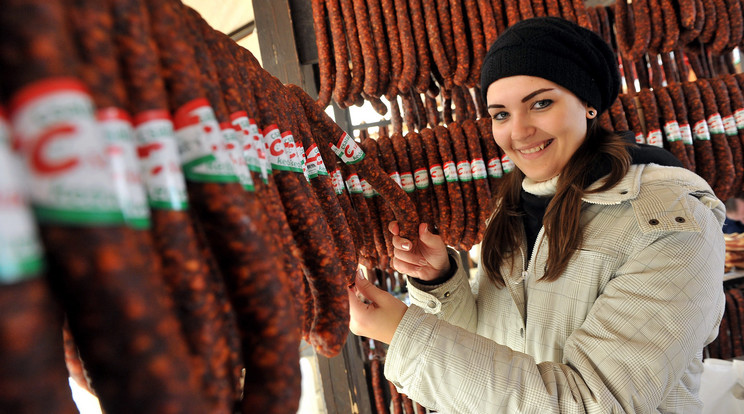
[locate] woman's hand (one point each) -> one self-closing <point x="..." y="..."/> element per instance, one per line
<point x="427" y="261"/>
<point x="374" y="312"/>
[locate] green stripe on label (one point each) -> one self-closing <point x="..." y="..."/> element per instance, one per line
<point x="21" y="272"/>
<point x="53" y="215"/>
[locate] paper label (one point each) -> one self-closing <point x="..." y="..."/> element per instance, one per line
<point x="122" y="151"/>
<point x="655" y="138"/>
<point x="300" y="150"/>
<point x="729" y="125"/>
<point x="686" y="133"/>
<point x="276" y="151"/>
<point x="407" y="182"/>
<point x="421" y="178"/>
<point x="739" y="116"/>
<point x="464" y="172"/>
<point x="290" y="149"/>
<point x="197" y="130"/>
<point x="262" y="149"/>
<point x="494" y="168"/>
<point x="478" y="169"/>
<point x="348" y="150"/>
<point x="338" y="182"/>
<point x="232" y="135"/>
<point x="315" y="164"/>
<point x="715" y="124"/>
<point x="353" y="185"/>
<point x="672" y="132"/>
<point x="64" y="154"/>
<point x="219" y="170"/>
<point x="507" y="164"/>
<point x="450" y="171"/>
<point x="242" y="124"/>
<point x="640" y="139"/>
<point x="367" y="189"/>
<point x="21" y="254"/>
<point x="701" y="131"/>
<point x="437" y="174"/>
<point x="160" y="166"/>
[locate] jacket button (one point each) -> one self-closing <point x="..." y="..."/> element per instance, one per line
<point x="432" y="304"/>
<point x="653" y="222"/>
<point x="679" y="219"/>
<point x="447" y="294"/>
<point x="624" y="192"/>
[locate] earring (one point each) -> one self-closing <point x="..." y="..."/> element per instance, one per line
<point x="592" y="113"/>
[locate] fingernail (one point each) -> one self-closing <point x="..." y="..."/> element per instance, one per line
<point x="406" y="246"/>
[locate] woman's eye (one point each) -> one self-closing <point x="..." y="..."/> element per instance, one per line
<point x="499" y="116"/>
<point x="543" y="103"/>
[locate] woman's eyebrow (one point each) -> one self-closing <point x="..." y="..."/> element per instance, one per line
<point x="526" y="98"/>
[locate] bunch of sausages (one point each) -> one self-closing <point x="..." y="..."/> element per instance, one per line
<point x="700" y="122"/>
<point x="448" y="173"/>
<point x="729" y="343"/>
<point x="250" y="230"/>
<point x="403" y="48"/>
<point x="385" y="395"/>
<point x="682" y="34"/>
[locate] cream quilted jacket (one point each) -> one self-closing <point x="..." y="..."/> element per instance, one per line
<point x="621" y="331"/>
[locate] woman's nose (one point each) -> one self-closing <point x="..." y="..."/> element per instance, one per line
<point x="521" y="128"/>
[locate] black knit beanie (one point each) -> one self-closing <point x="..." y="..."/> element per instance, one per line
<point x="559" y="51"/>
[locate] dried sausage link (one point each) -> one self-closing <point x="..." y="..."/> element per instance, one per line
<point x="680" y="109"/>
<point x="465" y="177"/>
<point x="705" y="162"/>
<point x="325" y="61"/>
<point x="672" y="135"/>
<point x="722" y="152"/>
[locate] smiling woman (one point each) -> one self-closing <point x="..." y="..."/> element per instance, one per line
<point x="595" y="248"/>
<point x="537" y="123"/>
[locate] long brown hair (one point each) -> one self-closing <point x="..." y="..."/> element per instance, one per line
<point x="505" y="230"/>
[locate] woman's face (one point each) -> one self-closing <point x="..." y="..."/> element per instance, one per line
<point x="537" y="123"/>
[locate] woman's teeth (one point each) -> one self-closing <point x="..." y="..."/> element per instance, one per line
<point x="535" y="149"/>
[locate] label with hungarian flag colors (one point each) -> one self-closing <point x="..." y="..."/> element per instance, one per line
<point x="338" y="182"/>
<point x="686" y="132"/>
<point x="729" y="125"/>
<point x="739" y="117"/>
<point x="450" y="171"/>
<point x="494" y="168"/>
<point x="276" y="151"/>
<point x="464" y="172"/>
<point x="354" y="185"/>
<point x="507" y="164"/>
<point x="64" y="152"/>
<point x="655" y="138"/>
<point x="715" y="124"/>
<point x="21" y="254"/>
<point x="315" y="165"/>
<point x="421" y="178"/>
<point x="700" y="130"/>
<point x="122" y="151"/>
<point x="407" y="182"/>
<point x="197" y="130"/>
<point x="478" y="169"/>
<point x="234" y="149"/>
<point x="291" y="149"/>
<point x="437" y="174"/>
<point x="245" y="135"/>
<point x="160" y="165"/>
<point x="221" y="169"/>
<point x="672" y="131"/>
<point x="348" y="150"/>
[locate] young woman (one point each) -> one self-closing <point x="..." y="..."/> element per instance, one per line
<point x="601" y="267"/>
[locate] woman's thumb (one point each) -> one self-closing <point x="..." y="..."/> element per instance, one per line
<point x="365" y="287"/>
<point x="428" y="238"/>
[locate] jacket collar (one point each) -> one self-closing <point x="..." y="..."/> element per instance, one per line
<point x="629" y="186"/>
